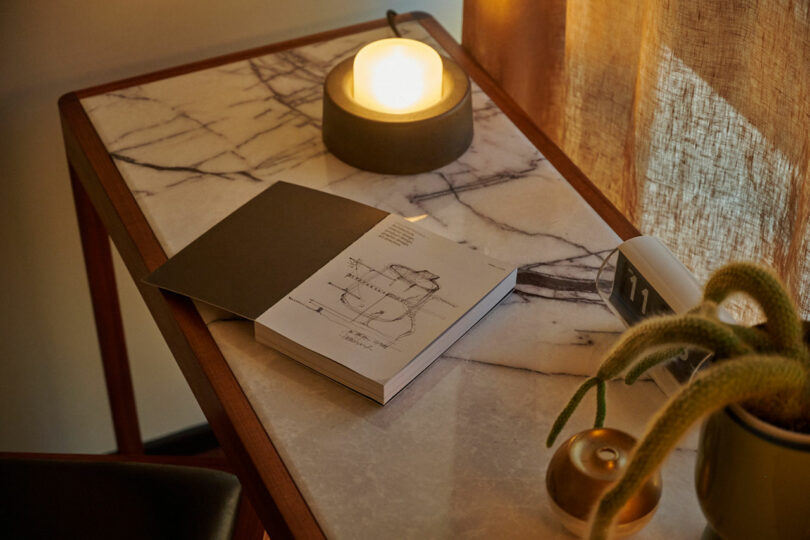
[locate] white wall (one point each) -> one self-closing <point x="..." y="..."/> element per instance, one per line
<point x="52" y="393"/>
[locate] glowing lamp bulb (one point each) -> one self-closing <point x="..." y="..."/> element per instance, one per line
<point x="397" y="76"/>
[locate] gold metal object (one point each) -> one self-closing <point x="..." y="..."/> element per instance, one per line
<point x="389" y="143"/>
<point x="584" y="467"/>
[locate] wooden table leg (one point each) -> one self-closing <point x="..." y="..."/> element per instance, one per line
<point x="110" y="329"/>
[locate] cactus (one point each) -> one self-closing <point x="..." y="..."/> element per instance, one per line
<point x="768" y="371"/>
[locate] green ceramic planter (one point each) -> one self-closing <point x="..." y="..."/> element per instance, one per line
<point x="752" y="478"/>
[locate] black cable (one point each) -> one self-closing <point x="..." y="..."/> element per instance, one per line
<point x="391" y="15"/>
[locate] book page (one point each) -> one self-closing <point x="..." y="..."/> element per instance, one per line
<point x="380" y="302"/>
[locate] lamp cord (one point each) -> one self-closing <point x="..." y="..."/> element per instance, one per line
<point x="391" y="15"/>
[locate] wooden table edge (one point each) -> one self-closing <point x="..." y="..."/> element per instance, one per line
<point x="284" y="513"/>
<point x="277" y="499"/>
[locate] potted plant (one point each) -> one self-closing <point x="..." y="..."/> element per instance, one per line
<point x="759" y="375"/>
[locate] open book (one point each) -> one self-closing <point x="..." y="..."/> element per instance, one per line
<point x="364" y="297"/>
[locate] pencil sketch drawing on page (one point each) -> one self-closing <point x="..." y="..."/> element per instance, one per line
<point x="387" y="300"/>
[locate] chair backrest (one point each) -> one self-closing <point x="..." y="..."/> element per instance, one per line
<point x="97" y="498"/>
<point x="690" y="116"/>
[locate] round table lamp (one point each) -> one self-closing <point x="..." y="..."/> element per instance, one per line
<point x="397" y="107"/>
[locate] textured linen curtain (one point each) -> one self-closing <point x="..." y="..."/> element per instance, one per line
<point x="692" y="117"/>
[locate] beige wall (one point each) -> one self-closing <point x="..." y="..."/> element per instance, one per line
<point x="52" y="394"/>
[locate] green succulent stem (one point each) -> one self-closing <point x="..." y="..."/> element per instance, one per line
<point x="569" y="409"/>
<point x="688" y="329"/>
<point x="721" y="384"/>
<point x="601" y="405"/>
<point x="754" y="337"/>
<point x="765" y="287"/>
<point x="650" y="361"/>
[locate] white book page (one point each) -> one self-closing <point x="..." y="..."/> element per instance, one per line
<point x="378" y="304"/>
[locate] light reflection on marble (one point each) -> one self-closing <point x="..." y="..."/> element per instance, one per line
<point x="460" y="450"/>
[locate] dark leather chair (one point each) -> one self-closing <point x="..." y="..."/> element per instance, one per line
<point x="122" y="497"/>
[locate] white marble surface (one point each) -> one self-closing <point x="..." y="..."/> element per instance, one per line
<point x="461" y="450"/>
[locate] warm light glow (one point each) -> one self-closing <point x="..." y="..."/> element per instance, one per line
<point x="397" y="76"/>
<point x="414" y="219"/>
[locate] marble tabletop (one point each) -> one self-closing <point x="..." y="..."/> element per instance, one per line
<point x="460" y="451"/>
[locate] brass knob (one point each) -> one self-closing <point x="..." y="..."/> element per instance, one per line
<point x="584" y="467"/>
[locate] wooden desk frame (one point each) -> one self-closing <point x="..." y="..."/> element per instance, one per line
<point x="105" y="206"/>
